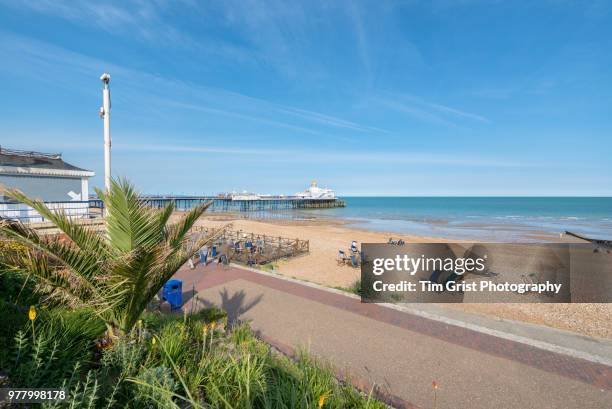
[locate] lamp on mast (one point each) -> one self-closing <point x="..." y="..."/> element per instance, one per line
<point x="105" y="114"/>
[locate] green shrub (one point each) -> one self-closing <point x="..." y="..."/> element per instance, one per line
<point x="242" y="372"/>
<point x="124" y="358"/>
<point x="356" y="288"/>
<point x="173" y="338"/>
<point x="16" y="288"/>
<point x="270" y="267"/>
<point x="234" y="380"/>
<point x="155" y="388"/>
<point x="14" y="317"/>
<point x="45" y="357"/>
<point x="186" y="366"/>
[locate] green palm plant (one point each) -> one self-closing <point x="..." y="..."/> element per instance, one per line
<point x="116" y="273"/>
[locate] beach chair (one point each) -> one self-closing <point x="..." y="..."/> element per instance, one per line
<point x="453" y="277"/>
<point x="250" y="260"/>
<point x="435" y="276"/>
<point x="342" y="258"/>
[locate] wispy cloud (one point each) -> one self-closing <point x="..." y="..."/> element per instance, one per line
<point x="237" y="115"/>
<point x="141" y="18"/>
<point x="132" y="19"/>
<point x="354" y="13"/>
<point x="52" y="64"/>
<point x="415" y="112"/>
<point x="310" y="156"/>
<point x="494" y="93"/>
<point x="330" y="120"/>
<point x="457" y="113"/>
<point x="426" y="111"/>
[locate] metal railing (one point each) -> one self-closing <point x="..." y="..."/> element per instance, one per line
<point x="31" y="154"/>
<point x="26" y="214"/>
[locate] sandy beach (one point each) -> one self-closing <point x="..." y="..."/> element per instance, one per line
<point x="328" y="236"/>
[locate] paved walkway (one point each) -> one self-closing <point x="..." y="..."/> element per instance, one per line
<point x="400" y="352"/>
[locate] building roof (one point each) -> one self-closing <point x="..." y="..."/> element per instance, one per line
<point x="14" y="161"/>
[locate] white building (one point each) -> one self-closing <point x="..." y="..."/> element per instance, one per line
<point x="45" y="177"/>
<point x="245" y="196"/>
<point x="315" y="192"/>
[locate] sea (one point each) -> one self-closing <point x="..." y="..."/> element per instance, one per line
<point x="482" y="218"/>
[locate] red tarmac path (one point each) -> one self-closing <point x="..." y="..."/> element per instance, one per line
<point x="399" y="352"/>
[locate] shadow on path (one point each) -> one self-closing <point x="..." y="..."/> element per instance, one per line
<point x="234" y="305"/>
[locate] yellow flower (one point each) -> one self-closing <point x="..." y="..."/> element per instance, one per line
<point x="322" y="400"/>
<point x="32" y="313"/>
<point x="213" y="325"/>
<point x="153" y="341"/>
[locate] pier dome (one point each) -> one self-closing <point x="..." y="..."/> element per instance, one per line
<point x="316" y="192"/>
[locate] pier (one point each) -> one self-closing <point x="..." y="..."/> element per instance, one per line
<point x="93" y="208"/>
<point x="227" y="204"/>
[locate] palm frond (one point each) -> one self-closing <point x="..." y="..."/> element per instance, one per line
<point x="179" y="230"/>
<point x="61" y="285"/>
<point x="117" y="274"/>
<point x="85" y="263"/>
<point x="129" y="222"/>
<point x="164" y="217"/>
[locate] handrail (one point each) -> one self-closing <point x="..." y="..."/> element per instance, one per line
<point x="30" y="154"/>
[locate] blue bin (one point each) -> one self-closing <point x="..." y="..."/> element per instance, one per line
<point x="173" y="293"/>
<point x="214" y="251"/>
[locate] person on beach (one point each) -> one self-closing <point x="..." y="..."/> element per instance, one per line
<point x="224" y="254"/>
<point x="204" y="254"/>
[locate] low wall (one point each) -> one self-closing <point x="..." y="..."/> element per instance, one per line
<point x="25" y="214"/>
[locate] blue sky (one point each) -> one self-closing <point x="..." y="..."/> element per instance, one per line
<point x="370" y="98"/>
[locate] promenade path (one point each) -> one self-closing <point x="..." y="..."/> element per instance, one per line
<point x="403" y="352"/>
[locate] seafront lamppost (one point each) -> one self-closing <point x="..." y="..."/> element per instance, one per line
<point x="105" y="114"/>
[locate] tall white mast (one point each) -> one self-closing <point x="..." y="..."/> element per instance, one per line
<point x="105" y="114"/>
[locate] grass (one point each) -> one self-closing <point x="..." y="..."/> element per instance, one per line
<point x="354" y="288"/>
<point x="270" y="267"/>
